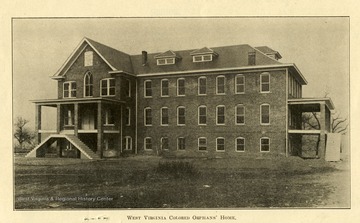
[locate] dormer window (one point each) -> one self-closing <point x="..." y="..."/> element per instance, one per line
<point x="202" y="58"/>
<point x="165" y="61"/>
<point x="203" y="55"/>
<point x="88" y="58"/>
<point x="166" y="58"/>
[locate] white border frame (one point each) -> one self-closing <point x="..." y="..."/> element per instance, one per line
<point x="218" y="144"/>
<point x="145" y="109"/>
<point x="236" y="83"/>
<point x="199" y="78"/>
<point x="206" y="144"/>
<point x="261" y="123"/>
<point x="148" y="81"/>
<point x="217" y="85"/>
<point x="177" y="87"/>
<point x="177" y="115"/>
<point x="269" y="144"/>
<point x="261" y="82"/>
<point x="161" y="88"/>
<point x="161" y="116"/>
<point x="236" y="114"/>
<point x="108" y="87"/>
<point x="88" y="73"/>
<point x="217" y="117"/>
<point x="70" y="85"/>
<point x="146" y="149"/>
<point x="236" y="144"/>
<point x="202" y="106"/>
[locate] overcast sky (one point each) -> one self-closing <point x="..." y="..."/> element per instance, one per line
<point x="319" y="46"/>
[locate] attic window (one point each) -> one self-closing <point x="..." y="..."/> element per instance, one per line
<point x="202" y="58"/>
<point x="165" y="61"/>
<point x="88" y="58"/>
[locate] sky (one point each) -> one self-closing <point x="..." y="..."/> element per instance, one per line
<point x="319" y="46"/>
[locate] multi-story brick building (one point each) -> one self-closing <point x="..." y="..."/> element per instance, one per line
<point x="219" y="101"/>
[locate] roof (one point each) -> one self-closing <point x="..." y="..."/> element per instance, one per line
<point x="227" y="58"/>
<point x="267" y="50"/>
<point x="166" y="54"/>
<point x="308" y="101"/>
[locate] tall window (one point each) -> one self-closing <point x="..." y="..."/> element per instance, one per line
<point x="181" y="143"/>
<point x="239" y="84"/>
<point x="147" y="143"/>
<point x="164" y="143"/>
<point x="202" y="86"/>
<point x="164" y="116"/>
<point x="202" y="115"/>
<point x="127" y="116"/>
<point x="220" y="144"/>
<point x="240" y="144"/>
<point x="69" y="89"/>
<point x="181" y="87"/>
<point x="108" y="87"/>
<point x="181" y="115"/>
<point x="147" y="117"/>
<point x="147" y="88"/>
<point x="220" y="85"/>
<point x="202" y="144"/>
<point x="265" y="144"/>
<point x="69" y="116"/>
<point x="220" y="115"/>
<point x="164" y="88"/>
<point x="265" y="82"/>
<point x="88" y="83"/>
<point x="240" y="114"/>
<point x="127" y="87"/>
<point x="109" y="117"/>
<point x="128" y="143"/>
<point x="265" y="114"/>
<point x="88" y="58"/>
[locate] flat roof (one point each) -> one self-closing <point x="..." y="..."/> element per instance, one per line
<point x="53" y="102"/>
<point x="308" y="101"/>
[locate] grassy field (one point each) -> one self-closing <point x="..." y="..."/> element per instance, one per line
<point x="145" y="182"/>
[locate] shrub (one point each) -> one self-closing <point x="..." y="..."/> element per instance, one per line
<point x="177" y="169"/>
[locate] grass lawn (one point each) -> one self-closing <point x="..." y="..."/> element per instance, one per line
<point x="137" y="182"/>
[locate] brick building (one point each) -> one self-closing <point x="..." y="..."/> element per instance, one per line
<point x="219" y="101"/>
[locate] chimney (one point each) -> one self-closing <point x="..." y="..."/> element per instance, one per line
<point x="144" y="58"/>
<point x="251" y="58"/>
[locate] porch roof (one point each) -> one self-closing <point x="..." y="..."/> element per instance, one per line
<point x="312" y="104"/>
<point x="54" y="102"/>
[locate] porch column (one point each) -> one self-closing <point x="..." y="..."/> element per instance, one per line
<point x="76" y="118"/>
<point x="58" y="118"/>
<point x="322" y="131"/>
<point x="38" y="123"/>
<point x="99" y="129"/>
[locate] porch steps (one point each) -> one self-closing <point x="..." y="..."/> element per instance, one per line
<point x="75" y="141"/>
<point x="82" y="147"/>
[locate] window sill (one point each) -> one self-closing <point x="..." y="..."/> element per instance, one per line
<point x="109" y="124"/>
<point x="220" y="151"/>
<point x="239" y="151"/>
<point x="165" y="96"/>
<point x="264" y="151"/>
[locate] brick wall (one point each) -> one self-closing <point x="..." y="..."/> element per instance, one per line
<point x="252" y="131"/>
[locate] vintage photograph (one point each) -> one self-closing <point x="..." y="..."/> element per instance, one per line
<point x="181" y="113"/>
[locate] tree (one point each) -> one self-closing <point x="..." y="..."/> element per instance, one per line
<point x="22" y="134"/>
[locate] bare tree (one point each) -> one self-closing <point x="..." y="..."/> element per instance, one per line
<point x="339" y="124"/>
<point x="22" y="134"/>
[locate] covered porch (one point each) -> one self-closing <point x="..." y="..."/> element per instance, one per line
<point x="320" y="110"/>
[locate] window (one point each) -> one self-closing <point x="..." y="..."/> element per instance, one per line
<point x="239" y="84"/>
<point x="127" y="116"/>
<point x="202" y="86"/>
<point x="108" y="87"/>
<point x="202" y="115"/>
<point x="240" y="144"/>
<point x="127" y="88"/>
<point x="265" y="82"/>
<point x="69" y="117"/>
<point x="109" y="117"/>
<point x="88" y="58"/>
<point x="181" y="143"/>
<point x="220" y="115"/>
<point x="164" y="113"/>
<point x="164" y="88"/>
<point x="109" y="143"/>
<point x="181" y="115"/>
<point x="148" y="117"/>
<point x="147" y="143"/>
<point x="264" y="144"/>
<point x="181" y="87"/>
<point x="164" y="143"/>
<point x="220" y="85"/>
<point x="128" y="143"/>
<point x="70" y="89"/>
<point x="220" y="144"/>
<point x="251" y="58"/>
<point x="265" y="114"/>
<point x="165" y="61"/>
<point x="202" y="58"/>
<point x="240" y="114"/>
<point x="147" y="88"/>
<point x="88" y="83"/>
<point x="202" y="144"/>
